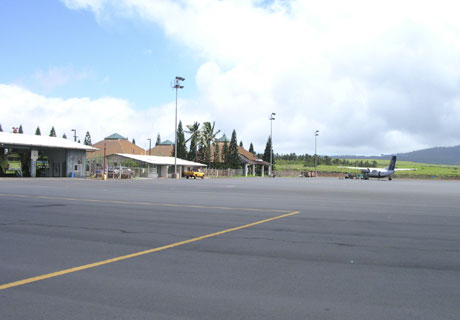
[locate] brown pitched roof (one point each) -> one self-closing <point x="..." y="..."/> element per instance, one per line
<point x="241" y="151"/>
<point x="115" y="146"/>
<point x="161" y="150"/>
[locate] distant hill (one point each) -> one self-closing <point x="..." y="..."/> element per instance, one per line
<point x="436" y="155"/>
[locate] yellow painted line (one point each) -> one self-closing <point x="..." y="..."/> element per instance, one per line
<point x="141" y="203"/>
<point x="137" y="254"/>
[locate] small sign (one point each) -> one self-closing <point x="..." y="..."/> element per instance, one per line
<point x="34" y="155"/>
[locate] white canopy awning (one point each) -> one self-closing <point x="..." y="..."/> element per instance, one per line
<point x="157" y="160"/>
<point x="10" y="140"/>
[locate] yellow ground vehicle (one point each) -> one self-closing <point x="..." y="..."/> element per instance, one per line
<point x="11" y="164"/>
<point x="194" y="173"/>
<point x="43" y="166"/>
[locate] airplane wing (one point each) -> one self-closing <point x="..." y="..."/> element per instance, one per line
<point x="356" y="168"/>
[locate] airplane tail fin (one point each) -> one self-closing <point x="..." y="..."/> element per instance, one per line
<point x="392" y="163"/>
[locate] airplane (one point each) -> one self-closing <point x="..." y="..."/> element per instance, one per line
<point x="380" y="172"/>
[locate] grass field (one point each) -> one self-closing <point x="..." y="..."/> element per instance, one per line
<point x="424" y="170"/>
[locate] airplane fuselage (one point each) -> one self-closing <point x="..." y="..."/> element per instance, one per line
<point x="377" y="173"/>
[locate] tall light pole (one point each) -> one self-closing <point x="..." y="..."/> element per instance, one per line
<point x="272" y="117"/>
<point x="150" y="144"/>
<point x="177" y="85"/>
<point x="316" y="156"/>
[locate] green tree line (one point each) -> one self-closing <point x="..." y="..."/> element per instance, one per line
<point x="204" y="148"/>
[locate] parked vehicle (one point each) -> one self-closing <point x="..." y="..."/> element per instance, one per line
<point x="10" y="164"/>
<point x="117" y="172"/>
<point x="43" y="166"/>
<point x="194" y="173"/>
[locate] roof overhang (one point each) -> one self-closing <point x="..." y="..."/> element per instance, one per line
<point x="158" y="160"/>
<point x="258" y="162"/>
<point x="12" y="140"/>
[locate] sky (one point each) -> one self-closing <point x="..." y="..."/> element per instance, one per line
<point x="373" y="78"/>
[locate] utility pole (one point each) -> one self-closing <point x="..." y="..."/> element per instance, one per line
<point x="316" y="156"/>
<point x="272" y="117"/>
<point x="148" y="166"/>
<point x="104" y="176"/>
<point x="74" y="135"/>
<point x="177" y="85"/>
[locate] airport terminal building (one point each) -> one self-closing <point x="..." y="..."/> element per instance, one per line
<point x="41" y="156"/>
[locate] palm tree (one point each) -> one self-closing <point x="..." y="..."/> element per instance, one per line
<point x="194" y="130"/>
<point x="208" y="136"/>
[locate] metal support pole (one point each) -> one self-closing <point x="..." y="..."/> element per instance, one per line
<point x="271" y="146"/>
<point x="176" y="86"/>
<point x="104" y="175"/>
<point x="175" y="140"/>
<point x="270" y="169"/>
<point x="316" y="156"/>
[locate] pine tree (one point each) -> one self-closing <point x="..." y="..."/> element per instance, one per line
<point x="1" y="129"/>
<point x="158" y="140"/>
<point x="20" y="129"/>
<point x="37" y="132"/>
<point x="233" y="151"/>
<point x="268" y="148"/>
<point x="216" y="155"/>
<point x="64" y="136"/>
<point x="201" y="154"/>
<point x="181" y="147"/>
<point x="241" y="144"/>
<point x="134" y="141"/>
<point x="225" y="155"/>
<point x="52" y="132"/>
<point x="194" y="130"/>
<point x="192" y="151"/>
<point x="251" y="149"/>
<point x="79" y="141"/>
<point x="87" y="141"/>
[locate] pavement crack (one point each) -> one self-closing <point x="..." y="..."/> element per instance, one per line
<point x="65" y="227"/>
<point x="48" y="205"/>
<point x="391" y="247"/>
<point x="342" y="244"/>
<point x="123" y="231"/>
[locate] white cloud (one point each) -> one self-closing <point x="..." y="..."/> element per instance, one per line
<point x="372" y="77"/>
<point x="56" y="77"/>
<point x="101" y="117"/>
<point x="94" y="5"/>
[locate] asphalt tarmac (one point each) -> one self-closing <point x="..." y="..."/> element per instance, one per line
<point x="283" y="248"/>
